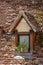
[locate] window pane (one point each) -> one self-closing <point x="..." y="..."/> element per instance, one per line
<point x="25" y="38"/>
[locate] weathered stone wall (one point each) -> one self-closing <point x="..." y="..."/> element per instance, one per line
<point x="6" y="50"/>
<point x="9" y="9"/>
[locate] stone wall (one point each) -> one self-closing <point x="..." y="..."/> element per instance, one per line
<point x="6" y="50"/>
<point x="9" y="9"/>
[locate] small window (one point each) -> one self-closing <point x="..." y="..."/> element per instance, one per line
<point x="25" y="38"/>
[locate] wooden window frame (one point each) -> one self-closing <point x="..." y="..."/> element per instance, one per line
<point x="24" y="33"/>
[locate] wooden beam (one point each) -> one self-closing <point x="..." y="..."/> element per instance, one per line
<point x="32" y="41"/>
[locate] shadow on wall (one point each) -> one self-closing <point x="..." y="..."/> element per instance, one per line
<point x="2" y="31"/>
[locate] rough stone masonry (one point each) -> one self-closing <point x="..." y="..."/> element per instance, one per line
<point x="8" y="11"/>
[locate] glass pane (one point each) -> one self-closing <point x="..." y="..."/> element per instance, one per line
<point x="26" y="39"/>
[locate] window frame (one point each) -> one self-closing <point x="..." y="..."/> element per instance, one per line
<point x="22" y="34"/>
